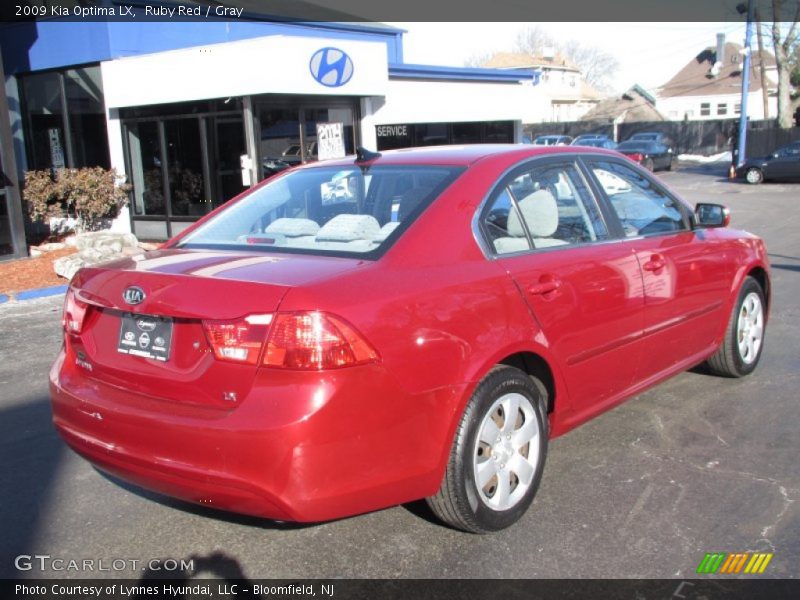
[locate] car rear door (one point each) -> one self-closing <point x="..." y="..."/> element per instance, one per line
<point x="544" y="227"/>
<point x="685" y="271"/>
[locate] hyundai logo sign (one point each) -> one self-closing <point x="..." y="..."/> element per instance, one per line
<point x="133" y="295"/>
<point x="331" y="67"/>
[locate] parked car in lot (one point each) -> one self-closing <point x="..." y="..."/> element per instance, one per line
<point x="593" y="139"/>
<point x="303" y="354"/>
<point x="783" y="164"/>
<point x="552" y="140"/>
<point x="651" y="155"/>
<point x="606" y="143"/>
<point x="653" y="136"/>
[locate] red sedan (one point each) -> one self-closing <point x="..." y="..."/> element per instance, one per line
<point x="356" y="334"/>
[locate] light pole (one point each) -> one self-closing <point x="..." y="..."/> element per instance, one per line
<point x="745" y="80"/>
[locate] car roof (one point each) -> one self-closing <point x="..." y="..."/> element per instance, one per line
<point x="461" y="155"/>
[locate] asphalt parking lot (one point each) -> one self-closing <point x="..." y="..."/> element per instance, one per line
<point x="698" y="464"/>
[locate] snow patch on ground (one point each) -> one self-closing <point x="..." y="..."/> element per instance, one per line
<point x="721" y="157"/>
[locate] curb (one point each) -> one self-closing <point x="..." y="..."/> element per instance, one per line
<point x="33" y="294"/>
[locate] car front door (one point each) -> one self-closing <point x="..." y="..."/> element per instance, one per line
<point x="544" y="228"/>
<point x="786" y="165"/>
<point x="685" y="272"/>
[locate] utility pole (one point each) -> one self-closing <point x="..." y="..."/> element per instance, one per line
<point x="764" y="93"/>
<point x="745" y="80"/>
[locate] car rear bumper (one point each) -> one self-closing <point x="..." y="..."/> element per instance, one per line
<point x="301" y="447"/>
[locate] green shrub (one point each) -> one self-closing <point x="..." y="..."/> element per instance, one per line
<point x="88" y="194"/>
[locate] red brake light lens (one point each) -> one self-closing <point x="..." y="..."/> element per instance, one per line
<point x="309" y="341"/>
<point x="238" y="340"/>
<point x="636" y="156"/>
<point x="74" y="313"/>
<point x="315" y="341"/>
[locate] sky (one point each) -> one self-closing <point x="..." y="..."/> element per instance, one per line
<point x="648" y="53"/>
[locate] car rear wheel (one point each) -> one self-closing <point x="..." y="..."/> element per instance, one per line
<point x="648" y="164"/>
<point x="498" y="454"/>
<point x="744" y="337"/>
<point x="753" y="175"/>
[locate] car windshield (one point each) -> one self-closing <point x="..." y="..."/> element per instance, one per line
<point x="644" y="136"/>
<point x="326" y="210"/>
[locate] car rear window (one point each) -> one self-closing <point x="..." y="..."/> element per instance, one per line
<point x="326" y="210"/>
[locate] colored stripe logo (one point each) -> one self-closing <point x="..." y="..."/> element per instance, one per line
<point x="723" y="563"/>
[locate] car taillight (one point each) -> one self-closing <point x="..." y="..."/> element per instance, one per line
<point x="74" y="313"/>
<point x="636" y="156"/>
<point x="238" y="340"/>
<point x="305" y="341"/>
<point x="315" y="341"/>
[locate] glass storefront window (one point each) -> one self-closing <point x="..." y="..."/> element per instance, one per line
<point x="226" y="145"/>
<point x="75" y="138"/>
<point x="144" y="149"/>
<point x="279" y="144"/>
<point x="87" y="119"/>
<point x="318" y="116"/>
<point x="407" y="135"/>
<point x="185" y="168"/>
<point x="6" y="246"/>
<point x="45" y="121"/>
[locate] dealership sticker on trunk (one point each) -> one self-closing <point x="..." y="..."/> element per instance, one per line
<point x="146" y="336"/>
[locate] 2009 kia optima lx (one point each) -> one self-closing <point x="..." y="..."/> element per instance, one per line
<point x="356" y="334"/>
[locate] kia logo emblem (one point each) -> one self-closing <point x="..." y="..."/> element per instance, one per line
<point x="331" y="67"/>
<point x="133" y="295"/>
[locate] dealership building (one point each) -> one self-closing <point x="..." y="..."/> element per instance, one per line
<point x="193" y="112"/>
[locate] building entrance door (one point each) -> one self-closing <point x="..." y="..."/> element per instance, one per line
<point x="287" y="133"/>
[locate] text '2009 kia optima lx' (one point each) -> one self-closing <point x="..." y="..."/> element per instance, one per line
<point x="360" y="333"/>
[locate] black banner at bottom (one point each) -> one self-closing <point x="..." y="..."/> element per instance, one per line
<point x="400" y="589"/>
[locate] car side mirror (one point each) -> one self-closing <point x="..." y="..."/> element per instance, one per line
<point x="774" y="155"/>
<point x="712" y="215"/>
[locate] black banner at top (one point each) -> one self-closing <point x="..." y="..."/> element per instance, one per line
<point x="529" y="11"/>
<point x="412" y="589"/>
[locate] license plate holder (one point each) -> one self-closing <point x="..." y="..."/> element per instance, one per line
<point x="145" y="335"/>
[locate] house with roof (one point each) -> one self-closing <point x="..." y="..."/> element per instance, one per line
<point x="562" y="87"/>
<point x="633" y="106"/>
<point x="710" y="86"/>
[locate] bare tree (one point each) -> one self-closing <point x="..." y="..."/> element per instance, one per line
<point x="478" y="60"/>
<point x="597" y="66"/>
<point x="784" y="45"/>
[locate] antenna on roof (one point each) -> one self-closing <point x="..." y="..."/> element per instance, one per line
<point x="364" y="155"/>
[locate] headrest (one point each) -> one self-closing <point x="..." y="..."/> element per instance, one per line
<point x="347" y="228"/>
<point x="293" y="227"/>
<point x="540" y="211"/>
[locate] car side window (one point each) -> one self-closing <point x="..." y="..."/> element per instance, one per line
<point x="542" y="207"/>
<point x="642" y="208"/>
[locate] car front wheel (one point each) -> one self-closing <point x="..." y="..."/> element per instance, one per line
<point x="741" y="349"/>
<point x="498" y="454"/>
<point x="753" y="175"/>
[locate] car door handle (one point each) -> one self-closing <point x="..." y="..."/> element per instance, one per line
<point x="544" y="287"/>
<point x="655" y="264"/>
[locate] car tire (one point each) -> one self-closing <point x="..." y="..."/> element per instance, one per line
<point x="648" y="164"/>
<point x="669" y="165"/>
<point x="740" y="351"/>
<point x="753" y="175"/>
<point x="501" y="440"/>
